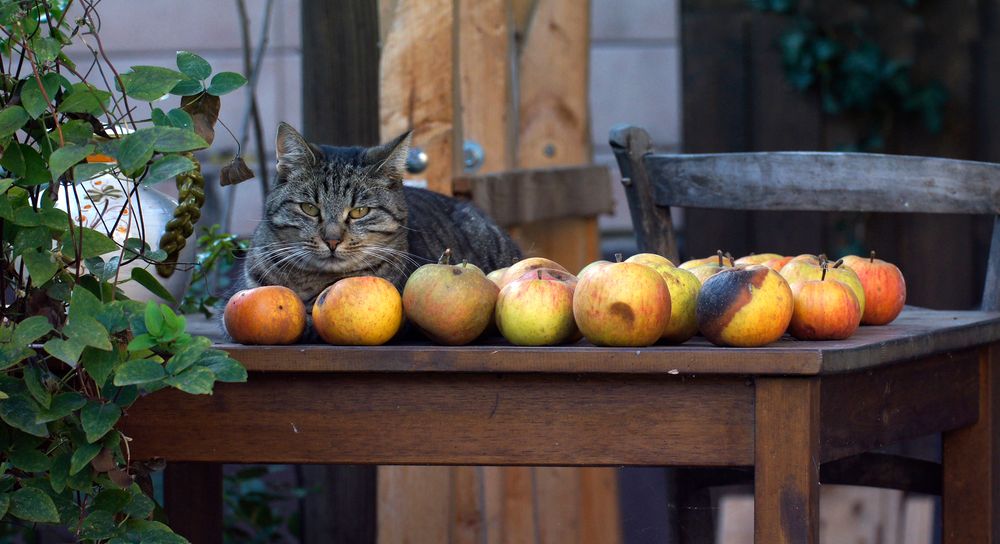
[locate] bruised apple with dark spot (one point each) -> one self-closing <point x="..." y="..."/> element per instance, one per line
<point x="744" y="307"/>
<point x="622" y="304"/>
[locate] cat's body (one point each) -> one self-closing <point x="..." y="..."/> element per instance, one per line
<point x="338" y="212"/>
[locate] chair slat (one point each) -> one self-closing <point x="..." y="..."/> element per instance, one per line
<point x="825" y="181"/>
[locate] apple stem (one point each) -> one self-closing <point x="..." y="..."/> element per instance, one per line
<point x="872" y="258"/>
<point x="539" y="272"/>
<point x="839" y="263"/>
<point x="514" y="260"/>
<point x="720" y="254"/>
<point x="618" y="257"/>
<point x="465" y="263"/>
<point x="823" y="276"/>
<point x="732" y="261"/>
<point x="445" y="257"/>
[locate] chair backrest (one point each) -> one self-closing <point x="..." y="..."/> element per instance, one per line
<point x="802" y="181"/>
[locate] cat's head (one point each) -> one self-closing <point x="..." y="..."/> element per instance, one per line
<point x="336" y="209"/>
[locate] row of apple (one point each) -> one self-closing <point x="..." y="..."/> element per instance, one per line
<point x="746" y="302"/>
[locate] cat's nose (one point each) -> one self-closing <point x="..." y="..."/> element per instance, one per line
<point x="333" y="244"/>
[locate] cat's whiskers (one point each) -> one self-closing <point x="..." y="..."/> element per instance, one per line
<point x="283" y="255"/>
<point x="404" y="256"/>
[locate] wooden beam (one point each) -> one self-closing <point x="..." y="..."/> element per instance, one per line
<point x="418" y="87"/>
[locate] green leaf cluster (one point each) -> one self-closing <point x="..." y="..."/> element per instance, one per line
<point x="75" y="352"/>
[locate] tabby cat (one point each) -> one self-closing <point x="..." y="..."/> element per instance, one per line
<point x="337" y="212"/>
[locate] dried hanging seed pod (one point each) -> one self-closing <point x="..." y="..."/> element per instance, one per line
<point x="191" y="196"/>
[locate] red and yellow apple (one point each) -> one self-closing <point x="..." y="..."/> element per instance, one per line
<point x="649" y="259"/>
<point x="537" y="309"/>
<point x="518" y="269"/>
<point x="825" y="309"/>
<point x="756" y="258"/>
<point x="451" y="304"/>
<point x="358" y="311"/>
<point x="884" y="286"/>
<point x="622" y="304"/>
<point x="745" y="307"/>
<point x="709" y="269"/>
<point x="804" y="270"/>
<point x="591" y="268"/>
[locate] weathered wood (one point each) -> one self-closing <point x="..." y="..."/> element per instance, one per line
<point x="654" y="230"/>
<point x="572" y="242"/>
<point x="599" y="500"/>
<point x="914" y="333"/>
<point x="516" y="197"/>
<point x="971" y="463"/>
<point x="991" y="288"/>
<point x="896" y="402"/>
<point x="786" y="461"/>
<point x="419" y="86"/>
<point x="885" y="471"/>
<point x="410" y="508"/>
<point x="468" y="511"/>
<point x="527" y="419"/>
<point x="192" y="496"/>
<point x="825" y="181"/>
<point x="340" y="58"/>
<point x="341" y="504"/>
<point x="557" y="500"/>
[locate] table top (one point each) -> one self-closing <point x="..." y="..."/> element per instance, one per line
<point x="917" y="332"/>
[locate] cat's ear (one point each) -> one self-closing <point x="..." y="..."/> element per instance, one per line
<point x="389" y="159"/>
<point x="293" y="150"/>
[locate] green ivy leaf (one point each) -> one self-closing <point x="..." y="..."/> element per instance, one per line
<point x="31" y="329"/>
<point x="142" y="342"/>
<point x="88" y="332"/>
<point x="153" y="531"/>
<point x="83" y="303"/>
<point x="141" y="506"/>
<point x="46" y="49"/>
<point x="98" y="525"/>
<point x="25" y="163"/>
<point x="67" y="351"/>
<point x="225" y="368"/>
<point x="84" y="98"/>
<point x="65" y="157"/>
<point x="176" y="140"/>
<point x="97" y="419"/>
<point x="29" y="459"/>
<point x="90" y="170"/>
<point x="41" y="266"/>
<point x="4" y="504"/>
<point x="147" y="280"/>
<point x="137" y="372"/>
<point x="32" y="238"/>
<point x="53" y="218"/>
<point x="62" y="405"/>
<point x="99" y="364"/>
<point x="12" y="118"/>
<point x="76" y="131"/>
<point x="188" y="355"/>
<point x="196" y="381"/>
<point x="32" y="504"/>
<point x="167" y="167"/>
<point x="59" y="472"/>
<point x="180" y="118"/>
<point x="94" y="243"/>
<point x="159" y="118"/>
<point x="33" y="381"/>
<point x="83" y="455"/>
<point x="112" y="500"/>
<point x="225" y="82"/>
<point x="188" y="87"/>
<point x="150" y="83"/>
<point x="154" y="319"/>
<point x="31" y="94"/>
<point x="136" y="149"/>
<point x="193" y="66"/>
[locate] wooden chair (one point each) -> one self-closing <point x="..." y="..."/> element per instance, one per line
<point x="800" y="181"/>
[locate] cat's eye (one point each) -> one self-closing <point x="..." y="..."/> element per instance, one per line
<point x="358" y="213"/>
<point x="309" y="209"/>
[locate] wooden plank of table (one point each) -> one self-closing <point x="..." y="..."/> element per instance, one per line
<point x="419" y="83"/>
<point x="400" y="418"/>
<point x="786" y="469"/>
<point x="917" y="332"/>
<point x="860" y="412"/>
<point x="971" y="459"/>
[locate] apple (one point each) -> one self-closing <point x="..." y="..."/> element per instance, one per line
<point x="591" y="268"/>
<point x="496" y="275"/>
<point x="689" y="264"/>
<point x="805" y="270"/>
<point x="451" y="304"/>
<point x="537" y="309"/>
<point x="683" y="287"/>
<point x="824" y="309"/>
<point x="270" y="314"/>
<point x="518" y="269"/>
<point x="756" y="258"/>
<point x="358" y="311"/>
<point x="884" y="286"/>
<point x="709" y="269"/>
<point x="777" y="264"/>
<point x="649" y="259"/>
<point x="622" y="304"/>
<point x="745" y="307"/>
<point x="810" y="258"/>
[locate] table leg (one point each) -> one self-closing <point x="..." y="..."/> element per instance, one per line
<point x="971" y="459"/>
<point x="786" y="451"/>
<point x="192" y="496"/>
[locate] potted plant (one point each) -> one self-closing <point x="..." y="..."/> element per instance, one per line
<point x="75" y="351"/>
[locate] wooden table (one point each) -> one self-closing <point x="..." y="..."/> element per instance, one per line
<point x="782" y="410"/>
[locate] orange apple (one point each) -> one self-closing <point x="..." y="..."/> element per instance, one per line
<point x="270" y="314"/>
<point x="777" y="264"/>
<point x="745" y="307"/>
<point x="451" y="304"/>
<point x="518" y="269"/>
<point x="825" y="309"/>
<point x="884" y="286"/>
<point x="358" y="311"/>
<point x="591" y="268"/>
<point x="709" y="269"/>
<point x="537" y="309"/>
<point x="622" y="304"/>
<point x="649" y="259"/>
<point x="804" y="270"/>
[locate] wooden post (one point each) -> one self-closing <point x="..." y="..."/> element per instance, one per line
<point x="340" y="85"/>
<point x="192" y="496"/>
